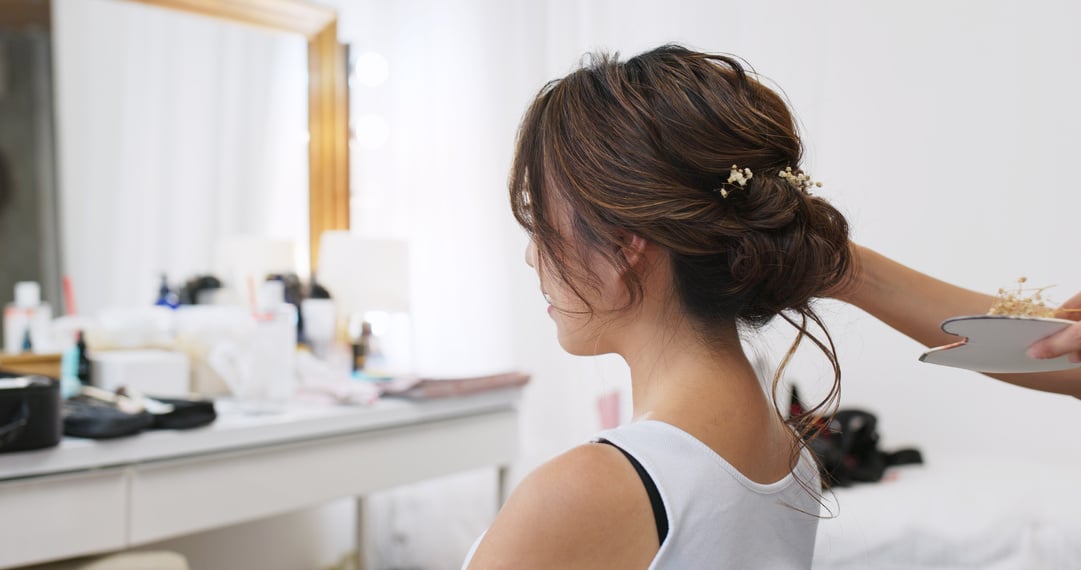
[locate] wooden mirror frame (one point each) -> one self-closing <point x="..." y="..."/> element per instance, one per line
<point x="328" y="102"/>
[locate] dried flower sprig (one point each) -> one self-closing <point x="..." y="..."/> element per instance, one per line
<point x="739" y="176"/>
<point x="799" y="179"/>
<point x="1017" y="304"/>
<point x="736" y="176"/>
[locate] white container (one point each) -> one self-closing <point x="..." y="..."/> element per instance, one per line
<point x="27" y="314"/>
<point x="199" y="328"/>
<point x="320" y="324"/>
<point x="164" y="373"/>
<point x="260" y="366"/>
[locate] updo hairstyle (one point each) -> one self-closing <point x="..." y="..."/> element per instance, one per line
<point x="645" y="146"/>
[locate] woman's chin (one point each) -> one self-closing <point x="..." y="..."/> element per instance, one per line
<point x="581" y="347"/>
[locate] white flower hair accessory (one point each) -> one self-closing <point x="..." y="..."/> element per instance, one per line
<point x="799" y="179"/>
<point x="735" y="176"/>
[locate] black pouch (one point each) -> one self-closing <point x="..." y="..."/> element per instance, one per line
<point x="29" y="413"/>
<point x="848" y="452"/>
<point x="95" y="419"/>
<point x="186" y="414"/>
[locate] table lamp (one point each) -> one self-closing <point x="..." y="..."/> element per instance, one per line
<point x="245" y="261"/>
<point x="369" y="281"/>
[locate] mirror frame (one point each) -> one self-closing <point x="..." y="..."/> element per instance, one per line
<point x="328" y="101"/>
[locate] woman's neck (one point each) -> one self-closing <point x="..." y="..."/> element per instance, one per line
<point x="672" y="369"/>
<point x="710" y="392"/>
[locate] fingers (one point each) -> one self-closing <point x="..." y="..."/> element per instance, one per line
<point x="1072" y="303"/>
<point x="1066" y="341"/>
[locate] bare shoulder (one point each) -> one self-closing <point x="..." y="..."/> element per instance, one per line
<point x="586" y="508"/>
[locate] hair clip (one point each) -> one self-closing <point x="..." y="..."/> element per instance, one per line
<point x="735" y="176"/>
<point x="798" y="179"/>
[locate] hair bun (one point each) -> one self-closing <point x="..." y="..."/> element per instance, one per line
<point x="784" y="266"/>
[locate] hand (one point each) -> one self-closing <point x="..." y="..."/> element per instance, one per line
<point x="849" y="284"/>
<point x="1066" y="341"/>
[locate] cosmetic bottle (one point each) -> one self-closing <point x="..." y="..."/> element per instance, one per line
<point x="362" y="348"/>
<point x="319" y="320"/>
<point x="271" y="351"/>
<point x="166" y="296"/>
<point x="369" y="358"/>
<point x="69" y="380"/>
<point x="83" y="368"/>
<point x="27" y="320"/>
<point x="293" y="294"/>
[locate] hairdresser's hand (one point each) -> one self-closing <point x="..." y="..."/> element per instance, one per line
<point x="1066" y="341"/>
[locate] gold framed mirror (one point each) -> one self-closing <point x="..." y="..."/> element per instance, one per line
<point x="328" y="107"/>
<point x="33" y="226"/>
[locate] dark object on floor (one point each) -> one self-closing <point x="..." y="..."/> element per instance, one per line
<point x="848" y="452"/>
<point x="847" y="449"/>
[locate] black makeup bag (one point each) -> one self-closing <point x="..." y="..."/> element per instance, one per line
<point x="30" y="415"/>
<point x="92" y="418"/>
<point x="187" y="413"/>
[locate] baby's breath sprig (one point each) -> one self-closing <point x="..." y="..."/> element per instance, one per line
<point x="799" y="179"/>
<point x="1017" y="304"/>
<point x="736" y="176"/>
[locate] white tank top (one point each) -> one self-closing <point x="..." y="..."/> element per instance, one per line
<point x="717" y="517"/>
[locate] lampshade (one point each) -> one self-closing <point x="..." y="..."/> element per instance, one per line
<point x="244" y="261"/>
<point x="364" y="274"/>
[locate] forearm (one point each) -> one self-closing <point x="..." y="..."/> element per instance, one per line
<point x="915" y="304"/>
<point x="909" y="301"/>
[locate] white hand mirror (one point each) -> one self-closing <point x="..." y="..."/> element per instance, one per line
<point x="998" y="344"/>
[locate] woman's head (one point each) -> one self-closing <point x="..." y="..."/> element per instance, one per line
<point x="646" y="148"/>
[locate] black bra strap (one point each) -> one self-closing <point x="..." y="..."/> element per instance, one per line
<point x="659" y="515"/>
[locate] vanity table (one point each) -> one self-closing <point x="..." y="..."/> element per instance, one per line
<point x="86" y="497"/>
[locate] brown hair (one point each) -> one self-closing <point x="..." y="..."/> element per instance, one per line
<point x="641" y="146"/>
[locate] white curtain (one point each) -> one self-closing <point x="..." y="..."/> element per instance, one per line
<point x="175" y="131"/>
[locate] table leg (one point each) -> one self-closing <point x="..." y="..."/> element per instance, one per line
<point x="501" y="485"/>
<point x="361" y="540"/>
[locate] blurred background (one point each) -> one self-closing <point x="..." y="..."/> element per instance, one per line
<point x="945" y="131"/>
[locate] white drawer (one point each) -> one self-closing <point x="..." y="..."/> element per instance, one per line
<point x="62" y="516"/>
<point x="172" y="498"/>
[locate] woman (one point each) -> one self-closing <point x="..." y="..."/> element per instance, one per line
<point x="669" y="215"/>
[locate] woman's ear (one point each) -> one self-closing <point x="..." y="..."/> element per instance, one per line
<point x="633" y="249"/>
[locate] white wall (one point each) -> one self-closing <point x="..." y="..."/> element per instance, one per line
<point x="944" y="131"/>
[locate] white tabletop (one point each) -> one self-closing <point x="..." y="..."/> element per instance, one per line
<point x="233" y="430"/>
